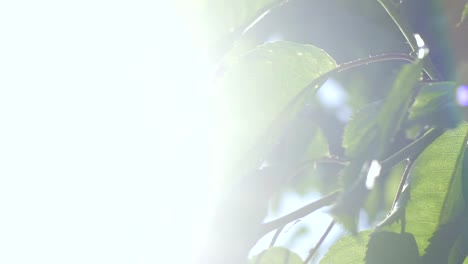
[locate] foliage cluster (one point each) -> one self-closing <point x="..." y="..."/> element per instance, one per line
<point x="400" y="158"/>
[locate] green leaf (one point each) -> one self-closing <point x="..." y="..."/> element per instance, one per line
<point x="255" y="92"/>
<point x="381" y="197"/>
<point x="435" y="186"/>
<point x="363" y="120"/>
<point x="396" y="104"/>
<point x="398" y="211"/>
<point x="389" y="248"/>
<point x="443" y="241"/>
<point x="257" y="89"/>
<point x="349" y="249"/>
<point x="459" y="251"/>
<point x="367" y="138"/>
<point x="374" y="126"/>
<point x="276" y="255"/>
<point x="463" y="16"/>
<point x="436" y="106"/>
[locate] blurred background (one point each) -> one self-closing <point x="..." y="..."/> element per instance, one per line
<point x="111" y="144"/>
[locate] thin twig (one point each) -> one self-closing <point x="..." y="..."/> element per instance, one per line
<point x="348" y="66"/>
<point x="403" y="26"/>
<point x="373" y="59"/>
<point x="403" y="180"/>
<point x="306" y="164"/>
<point x="267" y="9"/>
<point x="275" y="237"/>
<point x="403" y="221"/>
<point x="282" y="221"/>
<point x="323" y="160"/>
<point x="412" y="149"/>
<point x="233" y="37"/>
<point x="319" y="243"/>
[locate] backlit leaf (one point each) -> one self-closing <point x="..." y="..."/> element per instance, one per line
<point x="276" y="255"/>
<point x="361" y="121"/>
<point x="389" y="248"/>
<point x="381" y="198"/>
<point x="464" y="14"/>
<point x="443" y="242"/>
<point x="436" y="106"/>
<point x="366" y="139"/>
<point x="375" y="125"/>
<point x="459" y="250"/>
<point x="348" y="250"/>
<point x="465" y="177"/>
<point x="259" y="87"/>
<point x="395" y="106"/>
<point x="436" y="186"/>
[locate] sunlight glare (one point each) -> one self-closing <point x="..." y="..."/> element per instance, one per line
<point x="372" y="174"/>
<point x="106" y="132"/>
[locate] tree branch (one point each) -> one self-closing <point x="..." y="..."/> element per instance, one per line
<point x="319" y="243"/>
<point x="412" y="149"/>
<point x="282" y="221"/>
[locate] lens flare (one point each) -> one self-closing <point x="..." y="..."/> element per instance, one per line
<point x="462" y="95"/>
<point x="374" y="172"/>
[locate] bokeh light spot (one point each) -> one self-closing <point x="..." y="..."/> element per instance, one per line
<point x="462" y="95"/>
<point x="332" y="95"/>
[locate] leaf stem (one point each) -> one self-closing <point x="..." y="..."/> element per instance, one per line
<point x="282" y="221"/>
<point x="373" y="59"/>
<point x="275" y="237"/>
<point x="403" y="27"/>
<point x="355" y="64"/>
<point x="325" y="160"/>
<point x="405" y="30"/>
<point x="403" y="180"/>
<point x="320" y="242"/>
<point x="314" y="85"/>
<point x="412" y="149"/>
<point x="231" y="38"/>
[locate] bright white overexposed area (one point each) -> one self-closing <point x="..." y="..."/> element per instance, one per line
<point x="105" y="132"/>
